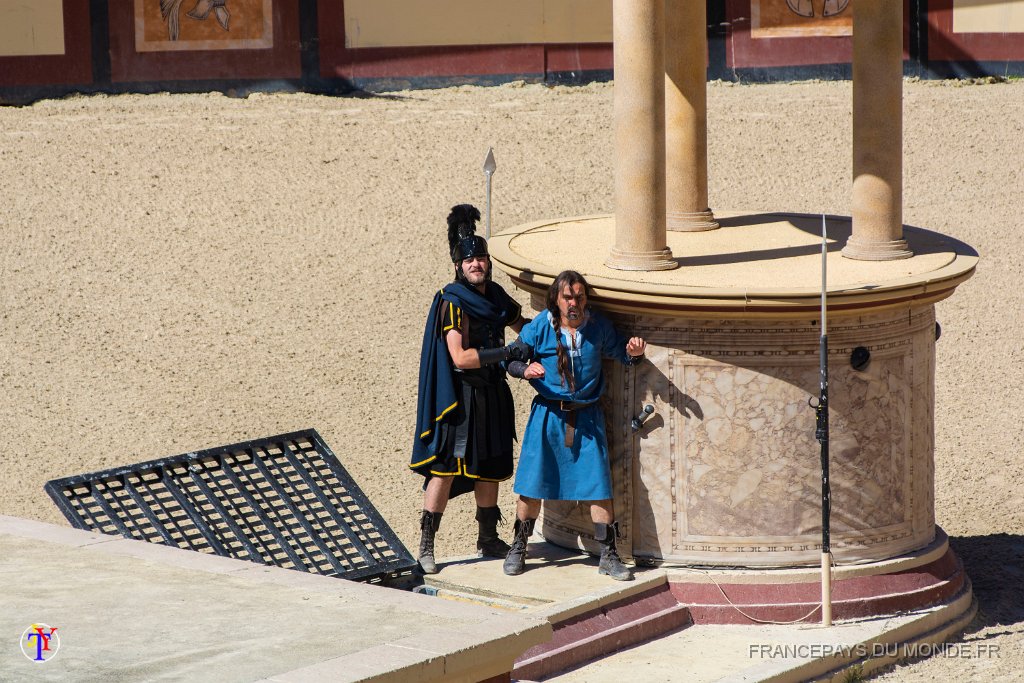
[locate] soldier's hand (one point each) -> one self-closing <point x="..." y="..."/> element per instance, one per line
<point x="636" y="347"/>
<point x="519" y="350"/>
<point x="534" y="371"/>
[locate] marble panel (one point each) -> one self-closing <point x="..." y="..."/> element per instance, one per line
<point x="727" y="470"/>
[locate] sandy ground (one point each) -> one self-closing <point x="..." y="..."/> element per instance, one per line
<point x="181" y="272"/>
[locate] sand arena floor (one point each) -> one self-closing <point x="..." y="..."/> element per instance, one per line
<point x="184" y="271"/>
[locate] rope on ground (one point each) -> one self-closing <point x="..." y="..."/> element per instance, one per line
<point x="832" y="563"/>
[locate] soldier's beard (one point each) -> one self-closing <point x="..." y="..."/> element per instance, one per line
<point x="475" y="277"/>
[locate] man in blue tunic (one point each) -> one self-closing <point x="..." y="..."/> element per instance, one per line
<point x="564" y="449"/>
<point x="465" y="422"/>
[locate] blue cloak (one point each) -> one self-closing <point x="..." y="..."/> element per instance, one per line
<point x="438" y="396"/>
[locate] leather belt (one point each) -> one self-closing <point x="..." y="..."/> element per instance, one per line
<point x="569" y="408"/>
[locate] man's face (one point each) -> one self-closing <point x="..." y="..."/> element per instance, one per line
<point x="475" y="269"/>
<point x="572" y="302"/>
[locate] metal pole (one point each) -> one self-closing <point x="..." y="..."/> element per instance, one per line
<point x="489" y="167"/>
<point x="822" y="436"/>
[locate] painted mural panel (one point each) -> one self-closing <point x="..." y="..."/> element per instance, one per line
<point x="31" y="28"/>
<point x="412" y="23"/>
<point x="966" y="32"/>
<point x="168" y="25"/>
<point x="800" y="18"/>
<point x="986" y="16"/>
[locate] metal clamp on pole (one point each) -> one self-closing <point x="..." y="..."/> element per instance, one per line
<point x="639" y="420"/>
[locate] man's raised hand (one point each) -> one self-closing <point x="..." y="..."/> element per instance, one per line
<point x="636" y="347"/>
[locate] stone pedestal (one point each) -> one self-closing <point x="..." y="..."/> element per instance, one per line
<point x="727" y="472"/>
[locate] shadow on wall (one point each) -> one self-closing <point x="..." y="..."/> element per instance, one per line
<point x="995" y="563"/>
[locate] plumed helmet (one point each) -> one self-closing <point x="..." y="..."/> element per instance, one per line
<point x="463" y="242"/>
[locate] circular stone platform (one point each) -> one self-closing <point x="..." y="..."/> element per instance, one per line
<point x="726" y="472"/>
<point x="756" y="264"/>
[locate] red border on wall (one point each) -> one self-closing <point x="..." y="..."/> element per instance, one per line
<point x="74" y="67"/>
<point x="944" y="44"/>
<point x="573" y="58"/>
<point x="283" y="60"/>
<point x="746" y="52"/>
<point x="339" y="61"/>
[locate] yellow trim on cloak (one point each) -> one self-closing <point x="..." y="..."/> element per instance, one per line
<point x="438" y="418"/>
<point x="451" y="316"/>
<point x="422" y="462"/>
<point x="460" y="471"/>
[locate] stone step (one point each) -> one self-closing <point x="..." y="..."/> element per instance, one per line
<point x="582" y="636"/>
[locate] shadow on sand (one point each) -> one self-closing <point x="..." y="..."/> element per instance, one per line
<point x="995" y="563"/>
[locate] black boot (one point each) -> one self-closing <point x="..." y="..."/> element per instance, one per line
<point x="488" y="544"/>
<point x="515" y="563"/>
<point x="429" y="523"/>
<point x="610" y="564"/>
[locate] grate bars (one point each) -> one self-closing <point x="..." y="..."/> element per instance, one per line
<point x="284" y="501"/>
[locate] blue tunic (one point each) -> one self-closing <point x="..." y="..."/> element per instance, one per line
<point x="548" y="469"/>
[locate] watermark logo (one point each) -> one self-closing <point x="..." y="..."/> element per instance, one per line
<point x="40" y="642"/>
<point x="967" y="650"/>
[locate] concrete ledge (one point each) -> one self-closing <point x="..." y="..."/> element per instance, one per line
<point x="603" y="628"/>
<point x="277" y="624"/>
<point x="931" y="626"/>
<point x="785" y="653"/>
<point x="613" y="594"/>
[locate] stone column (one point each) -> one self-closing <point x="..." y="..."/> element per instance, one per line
<point x="639" y="40"/>
<point x="877" y="133"/>
<point x="686" y="123"/>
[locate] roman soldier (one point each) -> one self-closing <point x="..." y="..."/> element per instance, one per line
<point x="465" y="422"/>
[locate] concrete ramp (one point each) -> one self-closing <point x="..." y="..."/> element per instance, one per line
<point x="129" y="610"/>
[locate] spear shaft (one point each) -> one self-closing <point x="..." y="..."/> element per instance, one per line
<point x="821" y="433"/>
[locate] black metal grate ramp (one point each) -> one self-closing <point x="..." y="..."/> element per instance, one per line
<point x="284" y="501"/>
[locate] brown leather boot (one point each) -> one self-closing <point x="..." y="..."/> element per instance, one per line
<point x="488" y="544"/>
<point x="429" y="523"/>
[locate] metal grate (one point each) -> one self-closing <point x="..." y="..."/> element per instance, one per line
<point x="284" y="501"/>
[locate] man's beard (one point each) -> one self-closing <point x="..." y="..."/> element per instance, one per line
<point x="476" y="278"/>
<point x="573" y="314"/>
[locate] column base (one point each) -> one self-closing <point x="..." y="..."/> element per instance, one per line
<point x="860" y="250"/>
<point x="697" y="221"/>
<point x="641" y="260"/>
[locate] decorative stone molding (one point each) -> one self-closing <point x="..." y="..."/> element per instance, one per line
<point x="699" y="221"/>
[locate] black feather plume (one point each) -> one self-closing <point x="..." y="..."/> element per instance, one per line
<point x="461" y="224"/>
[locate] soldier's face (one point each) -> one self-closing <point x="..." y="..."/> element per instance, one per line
<point x="572" y="302"/>
<point x="475" y="269"/>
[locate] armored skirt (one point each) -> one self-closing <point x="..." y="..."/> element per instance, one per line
<point x="477" y="446"/>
